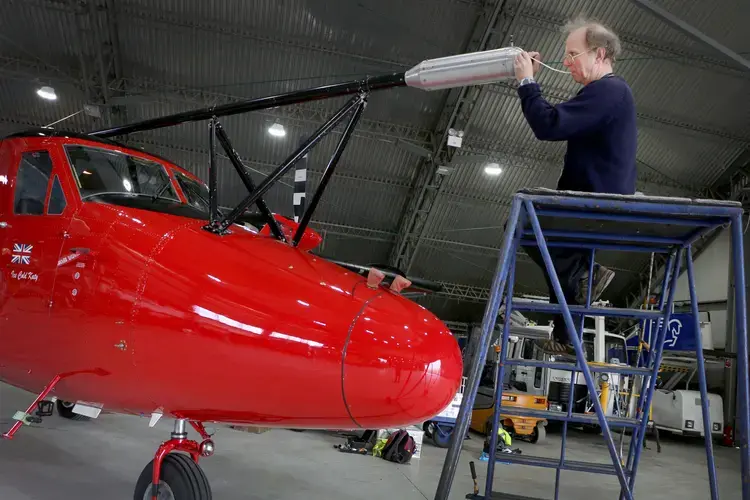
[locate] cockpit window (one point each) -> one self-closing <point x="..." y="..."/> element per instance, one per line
<point x="106" y="172"/>
<point x="195" y="192"/>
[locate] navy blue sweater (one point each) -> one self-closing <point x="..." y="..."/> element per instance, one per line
<point x="599" y="124"/>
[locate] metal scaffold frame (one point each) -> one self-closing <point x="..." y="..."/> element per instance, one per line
<point x="694" y="218"/>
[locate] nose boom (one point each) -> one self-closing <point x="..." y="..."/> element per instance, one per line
<point x="401" y="365"/>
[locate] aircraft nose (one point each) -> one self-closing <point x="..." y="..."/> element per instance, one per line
<point x="402" y="365"/>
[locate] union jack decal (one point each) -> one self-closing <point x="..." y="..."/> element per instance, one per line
<point x="21" y="254"/>
<point x="22" y="248"/>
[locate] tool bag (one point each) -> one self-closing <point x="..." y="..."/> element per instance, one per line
<point x="399" y="448"/>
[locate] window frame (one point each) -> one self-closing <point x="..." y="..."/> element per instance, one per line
<point x="55" y="177"/>
<point x="176" y="173"/>
<point x="172" y="181"/>
<point x="48" y="189"/>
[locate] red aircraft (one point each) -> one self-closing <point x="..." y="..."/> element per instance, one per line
<point x="124" y="287"/>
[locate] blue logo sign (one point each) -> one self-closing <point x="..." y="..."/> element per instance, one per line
<point x="673" y="333"/>
<point x="680" y="335"/>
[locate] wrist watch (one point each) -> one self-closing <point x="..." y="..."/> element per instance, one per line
<point x="528" y="79"/>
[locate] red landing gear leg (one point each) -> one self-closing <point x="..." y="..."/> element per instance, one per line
<point x="26" y="417"/>
<point x="177" y="476"/>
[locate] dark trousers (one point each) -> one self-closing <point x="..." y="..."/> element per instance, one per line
<point x="570" y="264"/>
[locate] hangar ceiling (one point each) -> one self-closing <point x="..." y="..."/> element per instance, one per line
<point x="387" y="203"/>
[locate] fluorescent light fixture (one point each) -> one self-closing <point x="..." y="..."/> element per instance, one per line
<point x="493" y="169"/>
<point x="47" y="93"/>
<point x="277" y="130"/>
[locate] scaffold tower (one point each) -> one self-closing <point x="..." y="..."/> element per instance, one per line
<point x="627" y="223"/>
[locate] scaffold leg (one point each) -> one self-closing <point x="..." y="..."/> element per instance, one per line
<point x="500" y="375"/>
<point x="472" y="385"/>
<point x="707" y="427"/>
<point x="743" y="384"/>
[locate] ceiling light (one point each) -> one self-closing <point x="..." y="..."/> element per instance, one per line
<point x="277" y="130"/>
<point x="493" y="169"/>
<point x="47" y="93"/>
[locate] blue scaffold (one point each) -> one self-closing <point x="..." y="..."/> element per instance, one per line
<point x="548" y="218"/>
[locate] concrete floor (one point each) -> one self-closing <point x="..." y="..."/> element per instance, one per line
<point x="65" y="460"/>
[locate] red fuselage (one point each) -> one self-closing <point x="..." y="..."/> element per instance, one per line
<point x="146" y="311"/>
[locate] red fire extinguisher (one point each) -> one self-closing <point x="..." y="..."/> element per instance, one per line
<point x="728" y="436"/>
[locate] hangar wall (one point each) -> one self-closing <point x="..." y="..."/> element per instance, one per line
<point x="714" y="286"/>
<point x="711" y="284"/>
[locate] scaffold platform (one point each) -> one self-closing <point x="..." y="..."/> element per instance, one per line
<point x="627" y="223"/>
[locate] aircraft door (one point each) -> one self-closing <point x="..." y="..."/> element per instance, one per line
<point x="90" y="303"/>
<point x="5" y="210"/>
<point x="34" y="221"/>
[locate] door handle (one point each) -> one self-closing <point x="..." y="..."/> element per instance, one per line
<point x="4" y="224"/>
<point x="80" y="250"/>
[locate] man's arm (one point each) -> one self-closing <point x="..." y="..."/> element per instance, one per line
<point x="582" y="114"/>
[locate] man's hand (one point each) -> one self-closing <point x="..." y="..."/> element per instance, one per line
<point x="535" y="64"/>
<point x="523" y="66"/>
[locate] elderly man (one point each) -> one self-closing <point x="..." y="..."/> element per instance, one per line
<point x="599" y="125"/>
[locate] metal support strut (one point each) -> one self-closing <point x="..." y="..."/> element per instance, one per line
<point x="219" y="224"/>
<point x="583" y="215"/>
<point x="23" y="418"/>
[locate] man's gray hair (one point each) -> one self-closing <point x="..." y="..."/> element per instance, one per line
<point x="597" y="36"/>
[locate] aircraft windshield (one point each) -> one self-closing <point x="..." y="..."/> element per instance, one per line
<point x="104" y="172"/>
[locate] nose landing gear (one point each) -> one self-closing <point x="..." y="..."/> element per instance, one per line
<point x="176" y="476"/>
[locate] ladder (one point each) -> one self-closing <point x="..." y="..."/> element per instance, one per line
<point x="594" y="221"/>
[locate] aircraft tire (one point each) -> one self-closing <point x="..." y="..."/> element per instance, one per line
<point x="181" y="479"/>
<point x="65" y="410"/>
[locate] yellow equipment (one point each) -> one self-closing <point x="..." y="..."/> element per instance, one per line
<point x="526" y="428"/>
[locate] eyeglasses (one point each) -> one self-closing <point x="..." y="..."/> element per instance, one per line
<point x="572" y="57"/>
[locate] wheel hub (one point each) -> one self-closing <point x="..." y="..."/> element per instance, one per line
<point x="165" y="492"/>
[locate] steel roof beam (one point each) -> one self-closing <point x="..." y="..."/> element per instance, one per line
<point x="458" y="108"/>
<point x="103" y="68"/>
<point x="691" y="31"/>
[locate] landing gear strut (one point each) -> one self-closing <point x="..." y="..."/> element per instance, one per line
<point x="176" y="476"/>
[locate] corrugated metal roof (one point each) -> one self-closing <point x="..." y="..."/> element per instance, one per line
<point x="713" y="18"/>
<point x="19" y="102"/>
<point x="44" y="31"/>
<point x="354" y="250"/>
<point x="382" y="30"/>
<point x="694" y="118"/>
<point x="169" y="47"/>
